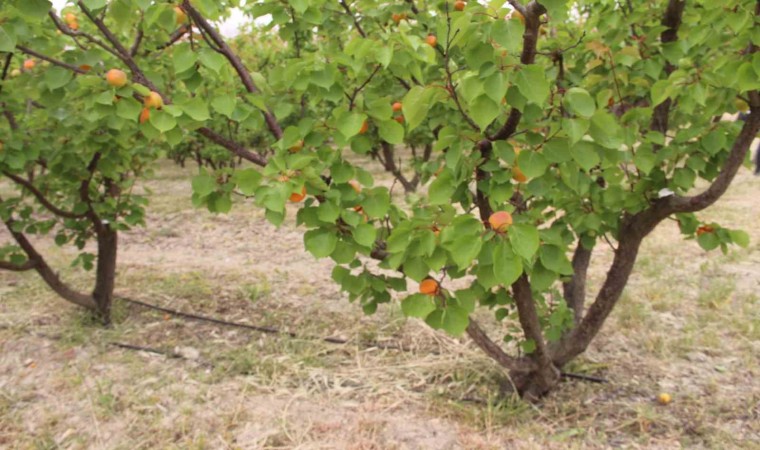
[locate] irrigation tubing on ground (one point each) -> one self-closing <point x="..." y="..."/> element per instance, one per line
<point x="274" y="330"/>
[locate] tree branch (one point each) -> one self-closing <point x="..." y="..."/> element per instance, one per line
<point x="47" y="274"/>
<point x="528" y="316"/>
<point x="356" y="21"/>
<point x="575" y="290"/>
<point x="53" y="61"/>
<point x="671" y="20"/>
<point x="28" y="265"/>
<point x="234" y="60"/>
<point x="493" y="350"/>
<point x="41" y="197"/>
<point x="232" y="146"/>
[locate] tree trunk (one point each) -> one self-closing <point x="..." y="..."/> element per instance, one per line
<point x="105" y="273"/>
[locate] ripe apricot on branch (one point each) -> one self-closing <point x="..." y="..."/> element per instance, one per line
<point x="180" y="15"/>
<point x="500" y="221"/>
<point x="296" y="197"/>
<point x="70" y="17"/>
<point x="459" y="5"/>
<point x="144" y="115"/>
<point x="356" y="186"/>
<point x="29" y="64"/>
<point x="399" y="119"/>
<point x="116" y="78"/>
<point x="364" y="128"/>
<point x="704" y="229"/>
<point x="518" y="175"/>
<point x="153" y="100"/>
<point x="429" y="287"/>
<point x="397" y="18"/>
<point x="397" y="107"/>
<point x="431" y="40"/>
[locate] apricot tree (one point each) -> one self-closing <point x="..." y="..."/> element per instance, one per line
<point x="539" y="129"/>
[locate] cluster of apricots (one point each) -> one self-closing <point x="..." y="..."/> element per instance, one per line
<point x="397" y="109"/>
<point x="71" y="21"/>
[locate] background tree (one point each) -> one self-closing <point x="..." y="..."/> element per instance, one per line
<point x="548" y="127"/>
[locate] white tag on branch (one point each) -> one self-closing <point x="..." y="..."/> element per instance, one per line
<point x="666" y="193"/>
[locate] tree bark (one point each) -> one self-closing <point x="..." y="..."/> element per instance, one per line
<point x="105" y="272"/>
<point x="575" y="290"/>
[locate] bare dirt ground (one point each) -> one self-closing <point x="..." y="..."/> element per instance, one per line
<point x="689" y="325"/>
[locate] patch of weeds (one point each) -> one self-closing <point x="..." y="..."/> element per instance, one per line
<point x="256" y="291"/>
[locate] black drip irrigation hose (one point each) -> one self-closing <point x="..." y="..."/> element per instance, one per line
<point x="274" y="330"/>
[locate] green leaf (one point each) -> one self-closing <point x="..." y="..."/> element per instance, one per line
<point x="575" y="129"/>
<point x="35" y="9"/>
<point x="376" y="203"/>
<point x="708" y="241"/>
<point x="247" y="180"/>
<point x="554" y="259"/>
<point x="212" y="60"/>
<point x="224" y="104"/>
<point x="740" y="238"/>
<point x="532" y="163"/>
<point x="320" y="242"/>
<point x="483" y="111"/>
<point x="183" y="58"/>
<point x="162" y="120"/>
<point x="416" y="104"/>
<point x="524" y="239"/>
<point x="585" y="155"/>
<point x="93" y="4"/>
<point x="365" y="234"/>
<point x="56" y="77"/>
<point x="660" y="91"/>
<point x="391" y="131"/>
<point x="442" y="188"/>
<point x="196" y="108"/>
<point x="579" y="102"/>
<point x="532" y="83"/>
<point x="203" y="184"/>
<point x="7" y="41"/>
<point x="417" y="305"/>
<point x="350" y="124"/>
<point x="507" y="266"/>
<point x="455" y="320"/>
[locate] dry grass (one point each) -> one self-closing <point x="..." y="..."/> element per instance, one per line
<point x="689" y="324"/>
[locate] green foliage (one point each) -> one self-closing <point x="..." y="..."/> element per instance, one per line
<point x="328" y="78"/>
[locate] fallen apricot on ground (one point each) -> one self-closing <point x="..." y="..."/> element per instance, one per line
<point x="664" y="398"/>
<point x="500" y="221"/>
<point x="429" y="287"/>
<point x="116" y="78"/>
<point x="296" y="197"/>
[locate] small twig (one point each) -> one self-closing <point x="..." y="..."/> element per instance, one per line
<point x="56" y="62"/>
<point x="589" y="378"/>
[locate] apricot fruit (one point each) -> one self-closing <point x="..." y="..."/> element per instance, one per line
<point x="664" y="398"/>
<point x="29" y="64"/>
<point x="518" y="175"/>
<point x="180" y="16"/>
<point x="429" y="287"/>
<point x="144" y="115"/>
<point x="296" y="197"/>
<point x="153" y="100"/>
<point x="364" y="128"/>
<point x="431" y="40"/>
<point x="500" y="221"/>
<point x="356" y="186"/>
<point x="459" y="5"/>
<point x="116" y="78"/>
<point x="397" y="107"/>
